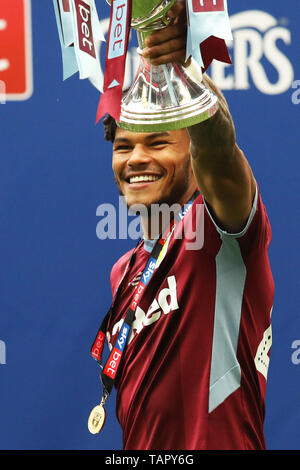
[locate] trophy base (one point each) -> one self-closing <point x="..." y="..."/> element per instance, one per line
<point x="166" y="97"/>
<point x="171" y="119"/>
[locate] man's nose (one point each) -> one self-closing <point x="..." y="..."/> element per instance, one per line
<point x="140" y="155"/>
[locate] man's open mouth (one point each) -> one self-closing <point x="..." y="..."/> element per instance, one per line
<point x="142" y="178"/>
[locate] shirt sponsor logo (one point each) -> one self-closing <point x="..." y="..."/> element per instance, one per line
<point x="165" y="303"/>
<point x="208" y="5"/>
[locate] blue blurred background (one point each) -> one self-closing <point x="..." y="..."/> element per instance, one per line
<point x="55" y="171"/>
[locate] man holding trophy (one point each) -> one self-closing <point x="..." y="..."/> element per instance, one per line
<point x="189" y="328"/>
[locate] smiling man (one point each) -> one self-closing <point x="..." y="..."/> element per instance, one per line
<point x="193" y="373"/>
<point x="153" y="169"/>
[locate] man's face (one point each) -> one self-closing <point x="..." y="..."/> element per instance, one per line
<point x="153" y="168"/>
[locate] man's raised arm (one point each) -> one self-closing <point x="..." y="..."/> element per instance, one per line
<point x="220" y="167"/>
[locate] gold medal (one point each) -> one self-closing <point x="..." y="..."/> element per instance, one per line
<point x="96" y="419"/>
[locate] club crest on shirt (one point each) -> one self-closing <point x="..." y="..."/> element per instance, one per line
<point x="136" y="280"/>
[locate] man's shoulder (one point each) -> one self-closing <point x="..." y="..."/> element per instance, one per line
<point x="118" y="269"/>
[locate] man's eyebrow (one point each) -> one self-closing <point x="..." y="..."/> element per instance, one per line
<point x="157" y="135"/>
<point x="123" y="140"/>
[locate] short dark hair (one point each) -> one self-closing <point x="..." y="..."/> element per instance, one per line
<point x="110" y="127"/>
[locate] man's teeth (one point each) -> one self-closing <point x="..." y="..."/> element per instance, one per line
<point x="139" y="179"/>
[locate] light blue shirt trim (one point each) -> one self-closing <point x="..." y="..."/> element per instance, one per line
<point x="250" y="218"/>
<point x="225" y="372"/>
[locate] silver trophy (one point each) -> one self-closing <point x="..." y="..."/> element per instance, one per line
<point x="163" y="97"/>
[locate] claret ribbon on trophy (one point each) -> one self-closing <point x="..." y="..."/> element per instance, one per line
<point x="116" y="51"/>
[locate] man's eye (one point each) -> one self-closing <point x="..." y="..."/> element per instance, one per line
<point x="122" y="147"/>
<point x="158" y="143"/>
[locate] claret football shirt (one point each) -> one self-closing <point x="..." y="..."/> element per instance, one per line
<point x="193" y="375"/>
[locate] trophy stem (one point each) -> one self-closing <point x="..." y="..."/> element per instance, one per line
<point x="141" y="36"/>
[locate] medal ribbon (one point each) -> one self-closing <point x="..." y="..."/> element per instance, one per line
<point x="208" y="28"/>
<point x="109" y="371"/>
<point x="116" y="51"/>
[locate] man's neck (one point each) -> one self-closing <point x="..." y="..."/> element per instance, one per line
<point x="156" y="221"/>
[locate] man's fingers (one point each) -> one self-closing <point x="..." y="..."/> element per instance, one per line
<point x="177" y="10"/>
<point x="176" y="56"/>
<point x="165" y="34"/>
<point x="165" y="49"/>
<point x="168" y="44"/>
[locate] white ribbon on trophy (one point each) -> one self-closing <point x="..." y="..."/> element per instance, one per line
<point x="206" y="18"/>
<point x="80" y="34"/>
<point x="64" y="24"/>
